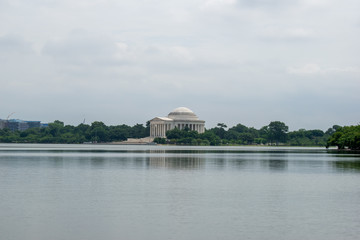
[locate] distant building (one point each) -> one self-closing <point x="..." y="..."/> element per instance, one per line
<point x="33" y="124"/>
<point x="180" y="118"/>
<point x="18" y="125"/>
<point x="2" y="124"/>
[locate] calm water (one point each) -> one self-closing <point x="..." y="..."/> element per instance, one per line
<point x="97" y="192"/>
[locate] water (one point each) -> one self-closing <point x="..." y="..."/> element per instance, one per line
<point x="157" y="192"/>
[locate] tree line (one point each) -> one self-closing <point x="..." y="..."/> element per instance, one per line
<point x="275" y="133"/>
<point x="57" y="132"/>
<point x="345" y="137"/>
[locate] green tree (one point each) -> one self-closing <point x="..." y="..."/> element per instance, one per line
<point x="160" y="140"/>
<point x="277" y="132"/>
<point x="55" y="128"/>
<point x="222" y="125"/>
<point x="240" y="128"/>
<point x="346" y="137"/>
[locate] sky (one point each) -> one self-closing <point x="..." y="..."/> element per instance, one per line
<point x="230" y="61"/>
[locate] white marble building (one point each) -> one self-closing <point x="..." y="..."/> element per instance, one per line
<point x="179" y="118"/>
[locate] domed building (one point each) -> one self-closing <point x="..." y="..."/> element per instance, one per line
<point x="180" y="118"/>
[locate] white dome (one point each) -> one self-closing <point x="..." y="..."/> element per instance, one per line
<point x="182" y="113"/>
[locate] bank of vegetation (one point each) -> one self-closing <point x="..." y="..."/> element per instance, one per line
<point x="57" y="132"/>
<point x="347" y="137"/>
<point x="276" y="133"/>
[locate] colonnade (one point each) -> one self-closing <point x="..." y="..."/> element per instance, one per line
<point x="159" y="129"/>
<point x="192" y="126"/>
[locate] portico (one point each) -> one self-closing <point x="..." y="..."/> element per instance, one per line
<point x="180" y="118"/>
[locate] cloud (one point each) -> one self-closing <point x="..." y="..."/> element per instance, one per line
<point x="81" y="48"/>
<point x="218" y="3"/>
<point x="312" y="68"/>
<point x="285" y="33"/>
<point x="245" y="59"/>
<point x="268" y="5"/>
<point x="12" y="44"/>
<point x="316" y="3"/>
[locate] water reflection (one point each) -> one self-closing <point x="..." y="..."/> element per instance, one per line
<point x="277" y="164"/>
<point x="97" y="162"/>
<point x="353" y="166"/>
<point x="241" y="163"/>
<point x="222" y="159"/>
<point x="189" y="162"/>
<point x="57" y="162"/>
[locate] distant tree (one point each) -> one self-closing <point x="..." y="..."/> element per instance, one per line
<point x="336" y="127"/>
<point x="264" y="132"/>
<point x="222" y="125"/>
<point x="346" y="137"/>
<point x="138" y="131"/>
<point x="82" y="128"/>
<point x="147" y="130"/>
<point x="97" y="124"/>
<point x="277" y="132"/>
<point x="333" y="129"/>
<point x="232" y="135"/>
<point x="240" y="128"/>
<point x="246" y="138"/>
<point x="174" y="134"/>
<point x="160" y="140"/>
<point x="219" y="130"/>
<point x="55" y="128"/>
<point x="117" y="133"/>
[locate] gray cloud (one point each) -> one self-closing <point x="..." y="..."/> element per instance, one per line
<point x="230" y="61"/>
<point x="11" y="44"/>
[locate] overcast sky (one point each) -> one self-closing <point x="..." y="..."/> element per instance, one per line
<point x="231" y="61"/>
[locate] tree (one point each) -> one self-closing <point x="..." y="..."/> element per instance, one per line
<point x="138" y="131"/>
<point x="240" y="128"/>
<point x="277" y="131"/>
<point x="55" y="128"/>
<point x="222" y="125"/>
<point x="160" y="140"/>
<point x="220" y="130"/>
<point x="346" y="137"/>
<point x="147" y="129"/>
<point x="174" y="134"/>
